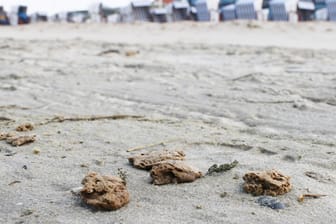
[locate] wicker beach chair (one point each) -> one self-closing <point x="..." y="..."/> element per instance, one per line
<point x="306" y="10"/>
<point x="18" y="15"/>
<point x="199" y="10"/>
<point x="321" y="14"/>
<point x="280" y="9"/>
<point x="141" y="11"/>
<point x="248" y="9"/>
<point x="180" y="11"/>
<point x="160" y="15"/>
<point x="4" y="20"/>
<point x="331" y="8"/>
<point x="22" y="14"/>
<point x="227" y="12"/>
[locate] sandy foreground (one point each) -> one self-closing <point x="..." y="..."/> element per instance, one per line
<point x="262" y="94"/>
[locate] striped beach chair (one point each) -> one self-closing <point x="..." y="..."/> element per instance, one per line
<point x="180" y="11"/>
<point x="126" y="14"/>
<point x="199" y="10"/>
<point x="228" y="12"/>
<point x="202" y="11"/>
<point x="279" y="9"/>
<point x="321" y="11"/>
<point x="160" y="15"/>
<point x="321" y="14"/>
<point x="4" y="20"/>
<point x="141" y="11"/>
<point x="306" y="10"/>
<point x="331" y="8"/>
<point x="247" y="9"/>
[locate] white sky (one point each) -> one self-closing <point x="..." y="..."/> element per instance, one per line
<point x="53" y="6"/>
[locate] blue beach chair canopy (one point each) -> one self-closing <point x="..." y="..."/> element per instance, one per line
<point x="180" y="5"/>
<point x="331" y="7"/>
<point x="142" y="3"/>
<point x="195" y="2"/>
<point x="223" y="3"/>
<point x="228" y="12"/>
<point x="306" y="5"/>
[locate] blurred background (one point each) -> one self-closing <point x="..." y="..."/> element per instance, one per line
<point x="23" y="12"/>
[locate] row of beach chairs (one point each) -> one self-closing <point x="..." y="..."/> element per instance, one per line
<point x="197" y="10"/>
<point x="274" y="10"/>
<point x="279" y="10"/>
<point x="177" y="11"/>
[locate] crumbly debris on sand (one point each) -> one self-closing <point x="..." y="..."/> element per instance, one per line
<point x="302" y="197"/>
<point x="168" y="172"/>
<point x="130" y="53"/>
<point x="271" y="183"/>
<point x="221" y="168"/>
<point x="25" y="127"/>
<point x="4" y="136"/>
<point x="147" y="160"/>
<point x="20" y="140"/>
<point x="122" y="174"/>
<point x="104" y="192"/>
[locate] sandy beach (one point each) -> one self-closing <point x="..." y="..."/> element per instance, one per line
<point x="263" y="94"/>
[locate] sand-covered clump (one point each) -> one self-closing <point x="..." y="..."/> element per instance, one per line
<point x="104" y="192"/>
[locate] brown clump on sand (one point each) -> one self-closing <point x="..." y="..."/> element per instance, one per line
<point x="131" y="53"/>
<point x="147" y="160"/>
<point x="173" y="172"/>
<point x="20" y="140"/>
<point x="4" y="136"/>
<point x="104" y="192"/>
<point x="270" y="183"/>
<point x="25" y="127"/>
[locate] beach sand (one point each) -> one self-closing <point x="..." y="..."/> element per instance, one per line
<point x="263" y="94"/>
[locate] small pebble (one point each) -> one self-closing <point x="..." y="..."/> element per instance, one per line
<point x="84" y="165"/>
<point x="223" y="195"/>
<point x="10" y="153"/>
<point x="27" y="212"/>
<point x="270" y="202"/>
<point x="235" y="177"/>
<point x="36" y="151"/>
<point x="100" y="162"/>
<point x="198" y="207"/>
<point x="14" y="182"/>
